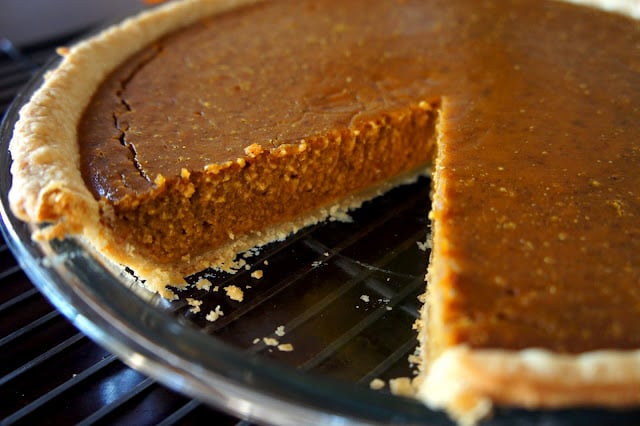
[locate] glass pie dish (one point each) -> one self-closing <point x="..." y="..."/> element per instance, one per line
<point x="323" y="314"/>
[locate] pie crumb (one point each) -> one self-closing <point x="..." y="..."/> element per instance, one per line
<point x="257" y="274"/>
<point x="203" y="284"/>
<point x="280" y="331"/>
<point x="402" y="386"/>
<point x="377" y="384"/>
<point x="215" y="314"/>
<point x="195" y="305"/>
<point x="234" y="293"/>
<point x="270" y="341"/>
<point x="285" y="347"/>
<point x="425" y="245"/>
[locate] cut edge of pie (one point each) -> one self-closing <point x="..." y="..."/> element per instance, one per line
<point x="48" y="188"/>
<point x="468" y="382"/>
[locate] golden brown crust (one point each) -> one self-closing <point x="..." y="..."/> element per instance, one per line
<point x="468" y="381"/>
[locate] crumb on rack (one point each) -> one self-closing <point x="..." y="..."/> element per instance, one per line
<point x="377" y="384"/>
<point x="365" y="298"/>
<point x="214" y="314"/>
<point x="285" y="347"/>
<point x="257" y="274"/>
<point x="203" y="284"/>
<point x="402" y="386"/>
<point x="234" y="293"/>
<point x="195" y="305"/>
<point x="270" y="341"/>
<point x="280" y="331"/>
<point x="425" y="245"/>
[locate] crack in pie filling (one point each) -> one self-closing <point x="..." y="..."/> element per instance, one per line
<point x="190" y="133"/>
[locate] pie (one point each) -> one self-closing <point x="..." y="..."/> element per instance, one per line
<point x="203" y="128"/>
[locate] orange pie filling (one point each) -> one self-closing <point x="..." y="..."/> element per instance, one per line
<point x="260" y="198"/>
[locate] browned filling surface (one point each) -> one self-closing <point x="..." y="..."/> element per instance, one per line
<point x="539" y="147"/>
<point x="204" y="208"/>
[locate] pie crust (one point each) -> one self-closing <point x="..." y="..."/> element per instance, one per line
<point x="468" y="382"/>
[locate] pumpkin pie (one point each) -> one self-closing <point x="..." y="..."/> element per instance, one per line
<point x="187" y="134"/>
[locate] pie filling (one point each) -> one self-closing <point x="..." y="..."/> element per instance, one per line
<point x="252" y="123"/>
<point x="188" y="215"/>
